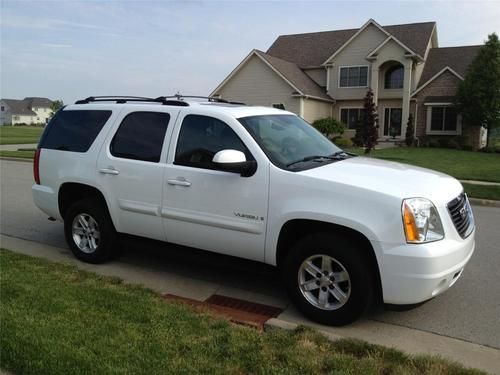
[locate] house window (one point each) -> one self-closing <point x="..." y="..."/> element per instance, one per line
<point x="351" y="117"/>
<point x="443" y="120"/>
<point x="353" y="76"/>
<point x="394" y="77"/>
<point x="3" y="108"/>
<point x="279" y="106"/>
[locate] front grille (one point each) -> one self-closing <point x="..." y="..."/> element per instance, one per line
<point x="461" y="215"/>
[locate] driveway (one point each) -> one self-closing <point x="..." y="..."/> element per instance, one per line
<point x="470" y="311"/>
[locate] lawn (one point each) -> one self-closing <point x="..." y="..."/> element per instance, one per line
<point x="18" y="154"/>
<point x="464" y="165"/>
<point x="11" y="135"/>
<point x="482" y="191"/>
<point x="56" y="319"/>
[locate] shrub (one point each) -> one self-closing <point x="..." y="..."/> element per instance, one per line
<point x="344" y="142"/>
<point x="329" y="126"/>
<point x="410" y="129"/>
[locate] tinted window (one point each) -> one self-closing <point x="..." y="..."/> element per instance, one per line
<point x="201" y="137"/>
<point x="140" y="136"/>
<point x="74" y="130"/>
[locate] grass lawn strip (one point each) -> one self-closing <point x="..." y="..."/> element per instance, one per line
<point x="11" y="135"/>
<point x="482" y="191"/>
<point x="18" y="154"/>
<point x="56" y="319"/>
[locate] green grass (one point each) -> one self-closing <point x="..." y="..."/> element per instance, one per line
<point x="56" y="319"/>
<point x="11" y="135"/>
<point x="463" y="165"/>
<point x="18" y="154"/>
<point x="482" y="191"/>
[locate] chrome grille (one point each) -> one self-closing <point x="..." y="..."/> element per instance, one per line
<point x="461" y="215"/>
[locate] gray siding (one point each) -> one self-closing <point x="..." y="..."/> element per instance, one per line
<point x="257" y="84"/>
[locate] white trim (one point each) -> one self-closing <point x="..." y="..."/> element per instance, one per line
<point x="435" y="76"/>
<point x="354" y="66"/>
<point x="313" y="97"/>
<point x="340" y="114"/>
<point x="241" y="64"/>
<point x="301" y="108"/>
<point x="398" y="42"/>
<point x="328" y="67"/>
<point x="428" y="130"/>
<point x="361" y="29"/>
<point x="439" y="104"/>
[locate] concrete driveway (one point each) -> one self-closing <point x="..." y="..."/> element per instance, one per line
<point x="467" y="313"/>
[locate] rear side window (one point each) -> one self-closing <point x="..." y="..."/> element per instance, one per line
<point x="140" y="136"/>
<point x="74" y="130"/>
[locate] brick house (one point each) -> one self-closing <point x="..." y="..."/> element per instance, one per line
<point x="322" y="74"/>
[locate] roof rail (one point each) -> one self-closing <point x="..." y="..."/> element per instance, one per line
<point x="125" y="99"/>
<point x="209" y="98"/>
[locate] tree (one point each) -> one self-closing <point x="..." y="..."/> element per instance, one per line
<point x="329" y="126"/>
<point x="410" y="130"/>
<point x="367" y="130"/>
<point x="55" y="106"/>
<point x="478" y="96"/>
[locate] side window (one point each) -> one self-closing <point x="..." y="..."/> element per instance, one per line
<point x="140" y="136"/>
<point x="74" y="130"/>
<point x="201" y="137"/>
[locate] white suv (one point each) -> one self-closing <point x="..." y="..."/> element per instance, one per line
<point x="258" y="183"/>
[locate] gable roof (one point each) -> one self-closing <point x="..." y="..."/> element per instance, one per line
<point x="454" y="59"/>
<point x="289" y="72"/>
<point x="34" y="101"/>
<point x="18" y="107"/>
<point x="313" y="49"/>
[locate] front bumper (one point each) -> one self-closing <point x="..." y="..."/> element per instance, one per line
<point x="414" y="273"/>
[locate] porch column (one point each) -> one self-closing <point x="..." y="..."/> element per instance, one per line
<point x="406" y="97"/>
<point x="374" y="81"/>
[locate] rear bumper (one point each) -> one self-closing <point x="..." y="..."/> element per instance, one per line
<point x="415" y="273"/>
<point x="45" y="199"/>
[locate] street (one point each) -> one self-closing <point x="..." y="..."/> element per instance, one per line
<point x="469" y="311"/>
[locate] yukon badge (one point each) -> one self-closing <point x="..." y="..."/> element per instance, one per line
<point x="247" y="216"/>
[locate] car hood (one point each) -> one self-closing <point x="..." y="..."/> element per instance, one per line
<point x="390" y="178"/>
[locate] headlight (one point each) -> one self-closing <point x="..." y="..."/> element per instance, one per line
<point x="421" y="221"/>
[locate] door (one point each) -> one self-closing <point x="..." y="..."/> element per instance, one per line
<point x="130" y="169"/>
<point x="208" y="208"/>
<point x="392" y="122"/>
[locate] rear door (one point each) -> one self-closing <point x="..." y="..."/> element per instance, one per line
<point x="131" y="166"/>
<point x="209" y="208"/>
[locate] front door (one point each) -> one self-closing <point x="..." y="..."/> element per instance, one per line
<point x="211" y="209"/>
<point x="392" y="122"/>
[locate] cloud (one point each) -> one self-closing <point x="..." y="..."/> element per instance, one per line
<point x="55" y="45"/>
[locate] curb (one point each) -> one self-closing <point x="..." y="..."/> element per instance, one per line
<point x="26" y="160"/>
<point x="484" y="202"/>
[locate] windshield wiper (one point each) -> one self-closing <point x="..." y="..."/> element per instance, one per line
<point x="335" y="156"/>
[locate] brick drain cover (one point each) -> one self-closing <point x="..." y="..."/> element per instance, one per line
<point x="236" y="310"/>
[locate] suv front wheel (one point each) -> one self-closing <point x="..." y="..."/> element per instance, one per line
<point x="89" y="231"/>
<point x="328" y="278"/>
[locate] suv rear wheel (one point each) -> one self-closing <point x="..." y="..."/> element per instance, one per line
<point x="328" y="278"/>
<point x="89" y="231"/>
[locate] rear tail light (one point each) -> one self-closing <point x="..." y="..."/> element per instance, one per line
<point x="36" y="166"/>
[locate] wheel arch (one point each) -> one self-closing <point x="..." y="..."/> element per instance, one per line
<point x="294" y="229"/>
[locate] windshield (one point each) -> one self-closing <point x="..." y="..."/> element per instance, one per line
<point x="290" y="142"/>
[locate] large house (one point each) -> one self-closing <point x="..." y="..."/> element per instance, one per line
<point x="28" y="111"/>
<point x="323" y="74"/>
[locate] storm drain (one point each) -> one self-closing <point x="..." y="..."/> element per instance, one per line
<point x="236" y="310"/>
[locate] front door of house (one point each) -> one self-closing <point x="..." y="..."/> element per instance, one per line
<point x="392" y="122"/>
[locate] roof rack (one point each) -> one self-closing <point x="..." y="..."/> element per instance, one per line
<point x="124" y="99"/>
<point x="209" y="98"/>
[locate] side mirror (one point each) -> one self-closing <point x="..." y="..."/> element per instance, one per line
<point x="235" y="161"/>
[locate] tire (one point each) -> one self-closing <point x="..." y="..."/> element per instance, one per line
<point x="339" y="296"/>
<point x="89" y="231"/>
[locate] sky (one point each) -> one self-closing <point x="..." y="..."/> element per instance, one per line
<point x="74" y="49"/>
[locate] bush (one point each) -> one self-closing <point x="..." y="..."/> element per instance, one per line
<point x="344" y="142"/>
<point x="410" y="129"/>
<point x="329" y="126"/>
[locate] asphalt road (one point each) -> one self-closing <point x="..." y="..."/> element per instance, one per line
<point x="469" y="311"/>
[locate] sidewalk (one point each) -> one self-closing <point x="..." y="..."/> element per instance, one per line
<point x="163" y="281"/>
<point x="16" y="147"/>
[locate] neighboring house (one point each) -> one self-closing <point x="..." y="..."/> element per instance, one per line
<point x="322" y="74"/>
<point x="29" y="111"/>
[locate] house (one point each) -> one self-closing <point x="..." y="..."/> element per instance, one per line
<point x="29" y="111"/>
<point x="322" y="74"/>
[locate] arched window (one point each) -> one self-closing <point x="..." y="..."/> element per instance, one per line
<point x="394" y="77"/>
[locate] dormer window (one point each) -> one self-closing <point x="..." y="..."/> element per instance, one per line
<point x="394" y="77"/>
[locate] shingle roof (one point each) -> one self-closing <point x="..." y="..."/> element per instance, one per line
<point x="19" y="107"/>
<point x="457" y="58"/>
<point x="313" y="49"/>
<point x="34" y="101"/>
<point x="296" y="76"/>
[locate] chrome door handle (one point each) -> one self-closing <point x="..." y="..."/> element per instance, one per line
<point x="109" y="171"/>
<point x="179" y="182"/>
